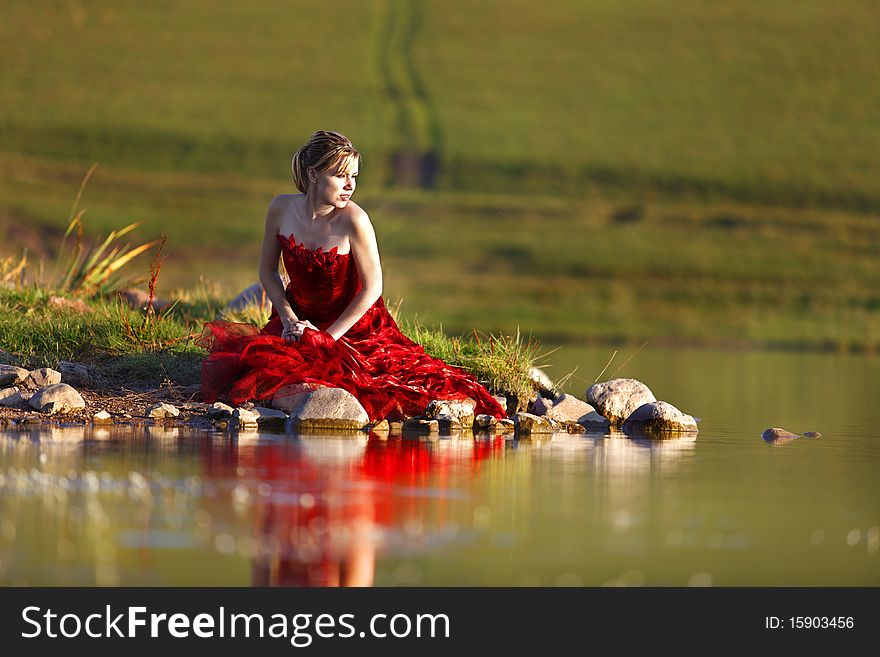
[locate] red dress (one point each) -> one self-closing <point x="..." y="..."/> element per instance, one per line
<point x="390" y="375"/>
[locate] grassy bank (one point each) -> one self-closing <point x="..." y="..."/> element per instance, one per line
<point x="132" y="349"/>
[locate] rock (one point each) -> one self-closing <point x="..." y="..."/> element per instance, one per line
<point x="542" y="382"/>
<point x="421" y="426"/>
<point x="506" y="425"/>
<point x="568" y="408"/>
<point x="102" y="417"/>
<point x="450" y="424"/>
<point x="140" y="299"/>
<point x="78" y="306"/>
<point x="540" y="406"/>
<point x="162" y="410"/>
<point x="576" y="427"/>
<point x="269" y="416"/>
<point x="253" y="294"/>
<point x="618" y="398"/>
<point x="74" y="374"/>
<point x="530" y="423"/>
<point x="395" y="428"/>
<point x="245" y="416"/>
<point x="658" y="419"/>
<point x="777" y="435"/>
<point x="10" y="375"/>
<point x="460" y="410"/>
<point x="10" y="396"/>
<point x="484" y="422"/>
<point x="219" y="410"/>
<point x="322" y="408"/>
<point x="44" y="376"/>
<point x="594" y="422"/>
<point x="381" y="427"/>
<point x="57" y="398"/>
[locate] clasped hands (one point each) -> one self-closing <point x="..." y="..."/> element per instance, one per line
<point x="293" y="331"/>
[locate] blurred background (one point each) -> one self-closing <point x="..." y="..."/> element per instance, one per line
<point x="588" y="171"/>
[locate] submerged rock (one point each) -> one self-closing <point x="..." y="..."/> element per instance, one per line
<point x="618" y="398"/>
<point x="659" y="419"/>
<point x="777" y="435"/>
<point x="57" y="398"/>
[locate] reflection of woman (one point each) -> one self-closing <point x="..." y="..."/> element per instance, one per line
<point x="321" y="520"/>
<point x="330" y="325"/>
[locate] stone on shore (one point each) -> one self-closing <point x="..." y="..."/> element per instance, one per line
<point x="460" y="410"/>
<point x="102" y="417"/>
<point x="57" y="398"/>
<point x="618" y="398"/>
<point x="269" y="416"/>
<point x="421" y="426"/>
<point x="530" y="423"/>
<point x="75" y="374"/>
<point x="10" y="375"/>
<point x="252" y="294"/>
<point x="11" y="396"/>
<point x="219" y="410"/>
<point x="659" y="419"/>
<point x="163" y="410"/>
<point x="484" y="422"/>
<point x="45" y="376"/>
<point x="322" y="408"/>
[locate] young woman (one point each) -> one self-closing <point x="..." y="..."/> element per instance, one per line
<point x="329" y="326"/>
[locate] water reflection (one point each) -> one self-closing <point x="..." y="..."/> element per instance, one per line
<point x="323" y="506"/>
<point x="111" y="505"/>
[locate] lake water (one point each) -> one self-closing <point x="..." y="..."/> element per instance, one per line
<point x="151" y="506"/>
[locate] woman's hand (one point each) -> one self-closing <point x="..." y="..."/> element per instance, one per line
<point x="292" y="330"/>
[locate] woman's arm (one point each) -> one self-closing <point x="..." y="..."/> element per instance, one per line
<point x="366" y="256"/>
<point x="268" y="271"/>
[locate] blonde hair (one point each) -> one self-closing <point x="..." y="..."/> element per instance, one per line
<point x="325" y="150"/>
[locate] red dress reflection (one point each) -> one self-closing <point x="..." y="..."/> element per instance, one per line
<point x="321" y="519"/>
<point x="388" y="373"/>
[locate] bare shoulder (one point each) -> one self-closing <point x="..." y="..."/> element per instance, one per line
<point x="279" y="206"/>
<point x="356" y="218"/>
<point x="283" y="201"/>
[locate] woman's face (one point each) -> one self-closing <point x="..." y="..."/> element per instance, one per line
<point x="336" y="187"/>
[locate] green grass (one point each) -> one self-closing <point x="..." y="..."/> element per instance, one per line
<point x="693" y="172"/>
<point x="131" y="350"/>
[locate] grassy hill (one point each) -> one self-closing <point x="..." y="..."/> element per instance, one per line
<point x="589" y="170"/>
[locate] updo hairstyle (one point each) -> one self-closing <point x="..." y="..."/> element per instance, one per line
<point x="325" y="150"/>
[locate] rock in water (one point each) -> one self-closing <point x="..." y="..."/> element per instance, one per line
<point x="659" y="419"/>
<point x="618" y="398"/>
<point x="324" y="408"/>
